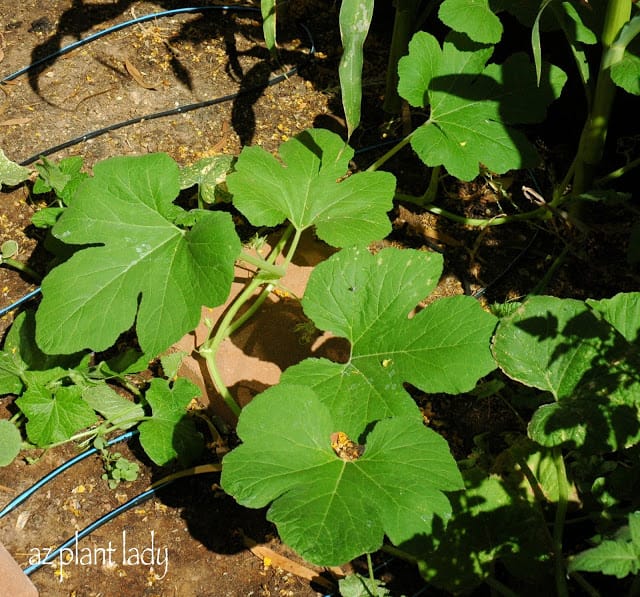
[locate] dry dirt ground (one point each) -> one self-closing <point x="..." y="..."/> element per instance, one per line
<point x="199" y="535"/>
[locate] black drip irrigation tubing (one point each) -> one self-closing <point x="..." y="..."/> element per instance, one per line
<point x="164" y="113"/>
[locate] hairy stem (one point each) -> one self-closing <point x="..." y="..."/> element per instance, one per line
<point x="540" y="213"/>
<point x="230" y="322"/>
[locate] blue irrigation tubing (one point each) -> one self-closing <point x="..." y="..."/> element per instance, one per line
<point x="25" y="495"/>
<point x="20" y="301"/>
<point x="119" y="26"/>
<point x="96" y="524"/>
<point x="173" y="111"/>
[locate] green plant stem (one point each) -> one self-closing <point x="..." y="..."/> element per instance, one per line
<point x="432" y="190"/>
<point x="585" y="586"/>
<point x="540" y="213"/>
<point x="387" y="156"/>
<point x="199" y="469"/>
<point x="594" y="134"/>
<point x="403" y="27"/>
<point x="557" y="262"/>
<point x="262" y="264"/>
<point x="558" y="524"/>
<point x="619" y="172"/>
<point x="229" y="324"/>
<point x="21" y="267"/>
<point x="102" y="429"/>
<point x="398" y="553"/>
<point x="372" y="577"/>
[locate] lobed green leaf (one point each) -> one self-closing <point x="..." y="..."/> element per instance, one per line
<point x="326" y="508"/>
<point x="136" y="265"/>
<point x="368" y="299"/>
<point x="590" y="368"/>
<point x="54" y="418"/>
<point x="473" y="17"/>
<point x="472" y="104"/>
<point x="170" y="433"/>
<point x="304" y="189"/>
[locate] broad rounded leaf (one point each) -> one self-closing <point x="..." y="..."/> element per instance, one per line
<point x="327" y="508"/>
<point x="140" y="266"/>
<point x="544" y="343"/>
<point x="473" y="17"/>
<point x="472" y="104"/>
<point x="368" y="299"/>
<point x="564" y="347"/>
<point x="304" y="189"/>
<point x="490" y="522"/>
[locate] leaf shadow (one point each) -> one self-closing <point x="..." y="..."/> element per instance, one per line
<point x="484" y="539"/>
<point x="82" y="18"/>
<point x="603" y="399"/>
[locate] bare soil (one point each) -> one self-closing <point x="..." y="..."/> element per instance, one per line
<point x="176" y="61"/>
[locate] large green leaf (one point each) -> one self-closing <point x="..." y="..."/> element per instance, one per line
<point x="564" y="347"/>
<point x="53" y="419"/>
<point x="473" y="17"/>
<point x="140" y="266"/>
<point x="367" y="299"/>
<point x="490" y="521"/>
<point x="472" y="104"/>
<point x="304" y="189"/>
<point x="355" y="19"/>
<point x="170" y="433"/>
<point x="327" y="507"/>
